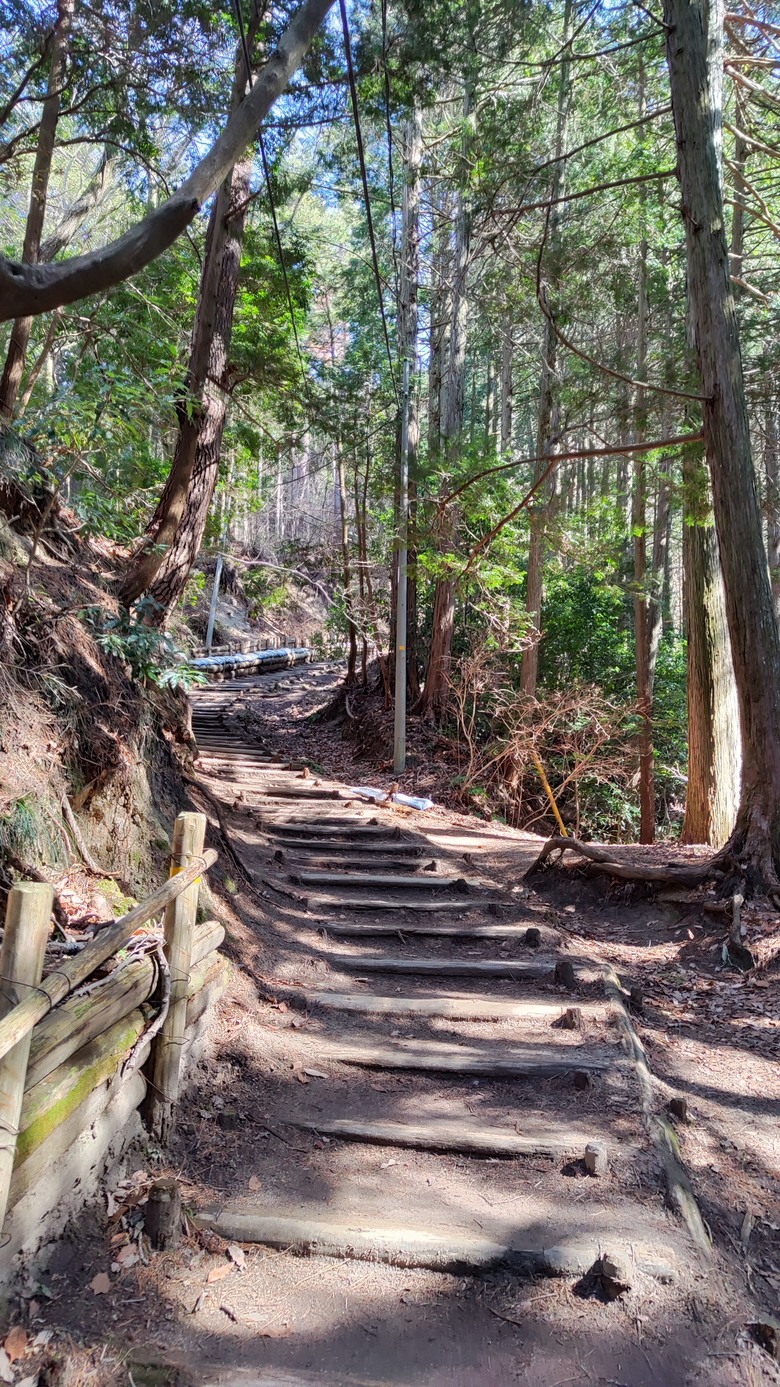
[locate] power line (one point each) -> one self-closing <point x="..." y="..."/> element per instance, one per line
<point x="267" y="176"/>
<point x="366" y="198"/>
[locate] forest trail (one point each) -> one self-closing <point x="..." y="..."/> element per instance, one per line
<point x="409" y="1108"/>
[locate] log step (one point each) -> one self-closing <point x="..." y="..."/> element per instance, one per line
<point x="339" y="845"/>
<point x="457" y="905"/>
<point x="464" y="1006"/>
<point x="450" y="1251"/>
<point x="356" y="865"/>
<point x="430" y="931"/>
<point x="350" y="828"/>
<point x="443" y="967"/>
<point x="551" y="1139"/>
<point x="300" y="792"/>
<point x="445" y="1057"/>
<point x="432" y="882"/>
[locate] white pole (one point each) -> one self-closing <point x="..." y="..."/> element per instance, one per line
<point x="399" y="741"/>
<point x="213" y="607"/>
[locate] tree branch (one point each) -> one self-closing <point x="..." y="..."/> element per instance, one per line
<point x="34" y="289"/>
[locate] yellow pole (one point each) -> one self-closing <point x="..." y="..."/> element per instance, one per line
<point x="549" y="794"/>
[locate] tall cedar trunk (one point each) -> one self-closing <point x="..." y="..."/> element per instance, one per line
<point x="713" y="713"/>
<point x="750" y="613"/>
<point x="433" y="699"/>
<point x="772" y="471"/>
<point x="407" y="343"/>
<point x="548" y="419"/>
<point x="33" y="231"/>
<point x="644" y="679"/>
<point x="162" y="564"/>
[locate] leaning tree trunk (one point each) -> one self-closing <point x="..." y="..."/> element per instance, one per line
<point x="548" y="420"/>
<point x="171" y="578"/>
<point x="772" y="471"/>
<point x="162" y="565"/>
<point x="33" y="231"/>
<point x="750" y="613"/>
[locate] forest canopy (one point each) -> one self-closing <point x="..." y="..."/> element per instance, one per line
<point x="495" y="285"/>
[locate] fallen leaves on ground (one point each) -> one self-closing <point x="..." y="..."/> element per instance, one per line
<point x="101" y="1283"/>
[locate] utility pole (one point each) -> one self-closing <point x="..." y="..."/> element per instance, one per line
<point x="399" y="740"/>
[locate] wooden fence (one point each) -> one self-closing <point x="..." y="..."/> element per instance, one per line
<point x="72" y="1044"/>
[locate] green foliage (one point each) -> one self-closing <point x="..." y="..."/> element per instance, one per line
<point x="149" y="652"/>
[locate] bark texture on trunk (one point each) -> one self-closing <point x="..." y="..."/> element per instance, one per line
<point x="435" y="693"/>
<point x="548" y="419"/>
<point x="714" y="755"/>
<point x="750" y="613"/>
<point x="36" y="215"/>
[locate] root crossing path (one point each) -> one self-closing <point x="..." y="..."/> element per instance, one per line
<point x="423" y="1153"/>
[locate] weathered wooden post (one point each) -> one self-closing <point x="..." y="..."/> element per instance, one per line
<point x="188" y="835"/>
<point x="27" y="919"/>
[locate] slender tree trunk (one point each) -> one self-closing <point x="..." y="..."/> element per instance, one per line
<point x="772" y="472"/>
<point x="346" y="565"/>
<point x="408" y="323"/>
<point x="433" y="699"/>
<point x="693" y="54"/>
<point x="548" y="423"/>
<point x="507" y="363"/>
<point x="174" y="535"/>
<point x="21" y="328"/>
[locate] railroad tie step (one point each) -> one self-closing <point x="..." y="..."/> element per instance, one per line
<point x="509" y="1062"/>
<point x="456" y="905"/>
<point x="444" y="1251"/>
<point x="552" y="1139"/>
<point x="334" y="879"/>
<point x="373" y="928"/>
<point x="445" y="967"/>
<point x="462" y="1007"/>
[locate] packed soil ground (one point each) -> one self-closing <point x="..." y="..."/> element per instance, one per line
<point x="221" y="1310"/>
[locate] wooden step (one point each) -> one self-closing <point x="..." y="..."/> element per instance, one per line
<point x="351" y="828"/>
<point x="340" y="846"/>
<point x="334" y="879"/>
<point x="430" y="931"/>
<point x="463" y="1006"/>
<point x="489" y="1061"/>
<point x="444" y="967"/>
<point x="320" y="1234"/>
<point x="455" y="905"/>
<point x="357" y="865"/>
<point x="553" y="1139"/>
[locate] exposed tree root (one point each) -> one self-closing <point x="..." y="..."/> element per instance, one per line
<point x="602" y="861"/>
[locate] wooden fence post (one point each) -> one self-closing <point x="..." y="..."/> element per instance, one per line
<point x="27" y="919"/>
<point x="188" y="834"/>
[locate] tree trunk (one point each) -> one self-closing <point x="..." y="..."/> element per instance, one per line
<point x="749" y="607"/>
<point x="713" y="714"/>
<point x="162" y="565"/>
<point x="408" y="322"/>
<point x="433" y="699"/>
<point x="507" y="364"/>
<point x="33" y="232"/>
<point x="548" y="420"/>
<point x="772" y="472"/>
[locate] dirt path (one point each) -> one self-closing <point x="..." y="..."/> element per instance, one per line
<point x="396" y="1093"/>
